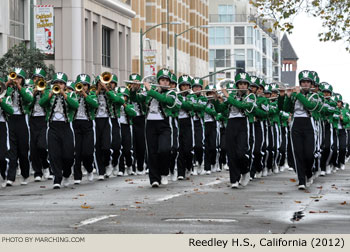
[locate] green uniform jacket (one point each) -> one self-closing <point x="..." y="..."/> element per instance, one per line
<point x="187" y="104"/>
<point x="327" y="109"/>
<point x="26" y="99"/>
<point x="289" y="102"/>
<point x="284" y="116"/>
<point x="6" y="106"/>
<point x="199" y="105"/>
<point x="71" y="104"/>
<point x="274" y="113"/>
<point x="261" y="111"/>
<point x="166" y="100"/>
<point x="139" y="98"/>
<point x="246" y="104"/>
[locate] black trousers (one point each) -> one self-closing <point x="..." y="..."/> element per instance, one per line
<point x="223" y="155"/>
<point x="237" y="147"/>
<point x="19" y="146"/>
<point x="158" y="138"/>
<point x="342" y="147"/>
<point x="258" y="164"/>
<point x="84" y="147"/>
<point x="198" y="141"/>
<point x="265" y="153"/>
<point x="290" y="157"/>
<point x="209" y="145"/>
<point x="3" y="149"/>
<point x="348" y="143"/>
<point x="283" y="147"/>
<point x="251" y="145"/>
<point x="126" y="156"/>
<point x="335" y="148"/>
<point x="327" y="145"/>
<point x="38" y="144"/>
<point x="302" y="134"/>
<point x="184" y="161"/>
<point x="270" y="148"/>
<point x="102" y="144"/>
<point x="174" y="145"/>
<point x="139" y="142"/>
<point x="60" y="141"/>
<point x="116" y="142"/>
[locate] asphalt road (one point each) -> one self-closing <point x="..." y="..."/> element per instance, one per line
<point x="203" y="204"/>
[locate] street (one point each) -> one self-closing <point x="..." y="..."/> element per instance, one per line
<point x="204" y="204"/>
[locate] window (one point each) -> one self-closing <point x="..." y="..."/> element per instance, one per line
<point x="226" y="13"/>
<point x="264" y="45"/>
<point x="258" y="61"/>
<point x="264" y="66"/>
<point x="16" y="22"/>
<point x="106" y="47"/>
<point x="239" y="57"/>
<point x="220" y="35"/>
<point x="221" y="57"/>
<point x="250" y="58"/>
<point x="239" y="35"/>
<point x="250" y="35"/>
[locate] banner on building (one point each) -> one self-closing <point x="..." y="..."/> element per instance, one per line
<point x="44" y="28"/>
<point x="150" y="62"/>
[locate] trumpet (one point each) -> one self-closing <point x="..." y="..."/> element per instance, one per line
<point x="12" y="75"/>
<point x="93" y="88"/>
<point x="79" y="87"/>
<point x="106" y="77"/>
<point x="3" y="90"/>
<point x="40" y="84"/>
<point x="56" y="89"/>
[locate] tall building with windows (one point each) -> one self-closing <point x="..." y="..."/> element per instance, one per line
<point x="158" y="43"/>
<point x="237" y="38"/>
<point x="91" y="36"/>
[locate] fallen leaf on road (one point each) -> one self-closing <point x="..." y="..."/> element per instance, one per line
<point x="123" y="209"/>
<point x="138" y="202"/>
<point x="323" y="211"/>
<point x="196" y="189"/>
<point x="217" y="178"/>
<point x="112" y="204"/>
<point x="279" y="193"/>
<point x="262" y="182"/>
<point x="312" y="212"/>
<point x="318" y="212"/>
<point x="131" y="182"/>
<point x="248" y="206"/>
<point x="138" y="207"/>
<point x="42" y="186"/>
<point x="180" y="232"/>
<point x="320" y="187"/>
<point x="75" y="198"/>
<point x="140" y="187"/>
<point x="297" y="201"/>
<point x="128" y="180"/>
<point x="315" y="197"/>
<point x="292" y="180"/>
<point x="343" y="203"/>
<point x="266" y="222"/>
<point x="225" y="193"/>
<point x="85" y="206"/>
<point x="81" y="195"/>
<point x="200" y="183"/>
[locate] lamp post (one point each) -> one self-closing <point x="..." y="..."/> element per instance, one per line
<point x="175" y="43"/>
<point x="141" y="42"/>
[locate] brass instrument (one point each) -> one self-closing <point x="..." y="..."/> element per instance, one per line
<point x="3" y="90"/>
<point x="40" y="84"/>
<point x="79" y="87"/>
<point x="56" y="89"/>
<point x="106" y="77"/>
<point x="12" y="75"/>
<point x="93" y="88"/>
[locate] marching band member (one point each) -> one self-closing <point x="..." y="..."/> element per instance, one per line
<point x="158" y="128"/>
<point x="106" y="97"/>
<point x="18" y="128"/>
<point x="302" y="132"/>
<point x="6" y="109"/>
<point x="327" y="111"/>
<point x="83" y="128"/>
<point x="60" y="109"/>
<point x="138" y="126"/>
<point x="198" y="110"/>
<point x="175" y="131"/>
<point x="184" y="161"/>
<point x="237" y="132"/>
<point x="126" y="113"/>
<point x="38" y="128"/>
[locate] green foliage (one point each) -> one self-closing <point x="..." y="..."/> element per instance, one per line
<point x="28" y="59"/>
<point x="335" y="15"/>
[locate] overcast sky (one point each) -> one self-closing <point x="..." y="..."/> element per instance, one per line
<point x="330" y="60"/>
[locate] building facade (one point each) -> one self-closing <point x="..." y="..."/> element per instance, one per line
<point x="158" y="43"/>
<point x="91" y="36"/>
<point x="237" y="38"/>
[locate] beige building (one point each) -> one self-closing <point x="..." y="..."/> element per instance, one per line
<point x="91" y="36"/>
<point x="192" y="46"/>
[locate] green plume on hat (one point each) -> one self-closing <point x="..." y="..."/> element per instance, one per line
<point x="39" y="72"/>
<point x="83" y="78"/>
<point x="254" y="81"/>
<point x="185" y="79"/>
<point x="135" y="77"/>
<point x="324" y="86"/>
<point x="164" y="73"/>
<point x="306" y="75"/>
<point x="60" y="77"/>
<point x="196" y="81"/>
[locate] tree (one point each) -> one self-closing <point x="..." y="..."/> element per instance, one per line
<point x="28" y="59"/>
<point x="334" y="14"/>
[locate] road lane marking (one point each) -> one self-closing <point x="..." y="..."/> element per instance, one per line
<point x="93" y="220"/>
